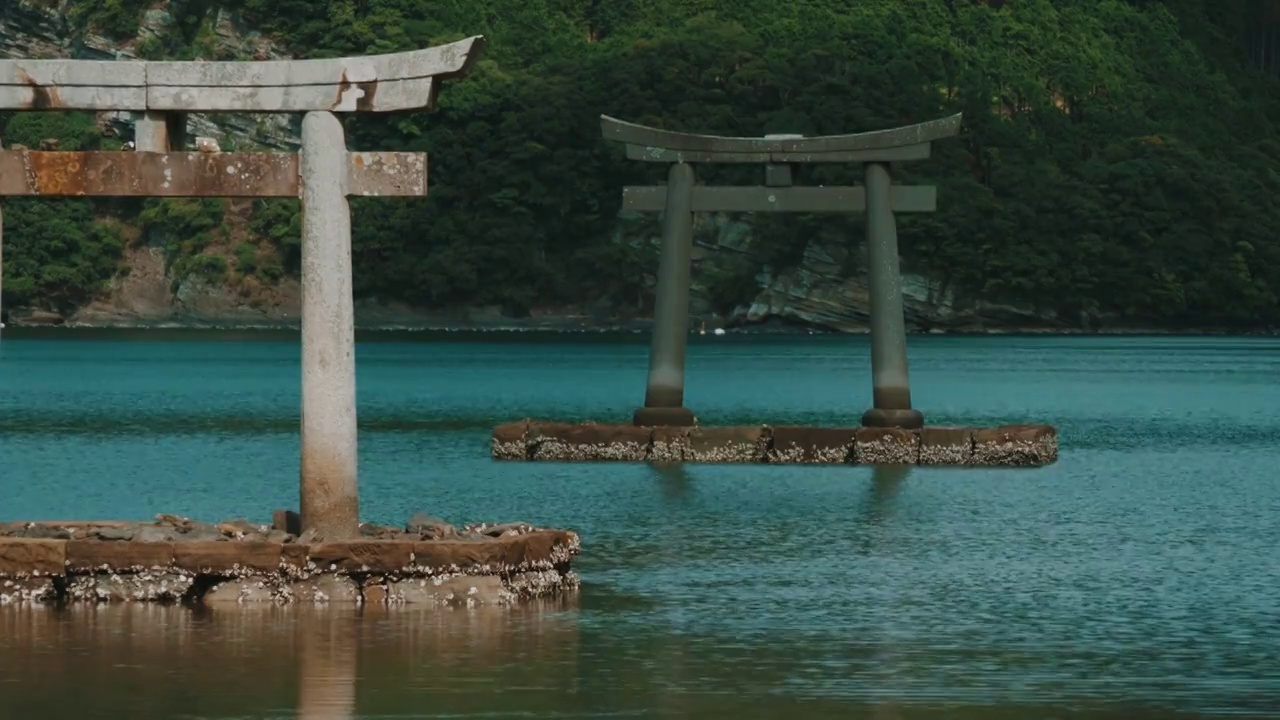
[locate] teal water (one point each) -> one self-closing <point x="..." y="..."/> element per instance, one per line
<point x="1137" y="577"/>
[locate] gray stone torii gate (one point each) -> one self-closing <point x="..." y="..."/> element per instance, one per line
<point x="323" y="175"/>
<point x="878" y="197"/>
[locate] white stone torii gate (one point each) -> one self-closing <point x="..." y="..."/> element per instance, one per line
<point x="324" y="174"/>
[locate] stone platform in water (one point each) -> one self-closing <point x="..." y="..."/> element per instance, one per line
<point x="177" y="560"/>
<point x="1007" y="445"/>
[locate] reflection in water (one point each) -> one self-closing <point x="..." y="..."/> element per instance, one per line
<point x="544" y="661"/>
<point x="150" y="661"/>
<point x="886" y="480"/>
<point x="327" y="669"/>
<point x="674" y="480"/>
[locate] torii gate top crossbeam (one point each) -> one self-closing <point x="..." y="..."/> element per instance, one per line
<point x="377" y="83"/>
<point x="911" y="142"/>
<point x="779" y="153"/>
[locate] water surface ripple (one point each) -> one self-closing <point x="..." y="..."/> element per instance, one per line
<point x="1136" y="578"/>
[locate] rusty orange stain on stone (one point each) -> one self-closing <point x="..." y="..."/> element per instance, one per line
<point x="148" y="174"/>
<point x="55" y="173"/>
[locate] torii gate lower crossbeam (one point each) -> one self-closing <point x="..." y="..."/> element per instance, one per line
<point x="878" y="198"/>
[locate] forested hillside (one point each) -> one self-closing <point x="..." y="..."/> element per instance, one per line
<point x="1118" y="166"/>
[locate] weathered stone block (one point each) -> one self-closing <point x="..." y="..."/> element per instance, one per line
<point x="144" y="586"/>
<point x="362" y="556"/>
<point x="30" y="557"/>
<point x="27" y="590"/>
<point x="120" y="534"/>
<point x="744" y="444"/>
<point x="39" y="531"/>
<point x="374" y="591"/>
<point x="812" y="445"/>
<point x="1015" y="445"/>
<point x="82" y="528"/>
<point x="541" y="583"/>
<point x="156" y="534"/>
<point x="468" y="590"/>
<point x="559" y="441"/>
<point x="425" y="527"/>
<point x="545" y="440"/>
<point x="669" y="444"/>
<point x="1009" y="445"/>
<point x="287" y="521"/>
<point x="510" y="441"/>
<point x="325" y="589"/>
<point x="229" y="558"/>
<point x="240" y="528"/>
<point x="293" y="557"/>
<point x="374" y="531"/>
<point x="91" y="555"/>
<point x="886" y="446"/>
<point x="248" y="589"/>
<point x="946" y="445"/>
<point x="496" y="529"/>
<point x="539" y="550"/>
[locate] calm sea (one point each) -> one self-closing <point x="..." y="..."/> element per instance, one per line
<point x="1139" y="577"/>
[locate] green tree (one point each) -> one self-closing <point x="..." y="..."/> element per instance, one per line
<point x="1118" y="162"/>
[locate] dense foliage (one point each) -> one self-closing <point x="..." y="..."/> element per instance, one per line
<point x="1119" y="159"/>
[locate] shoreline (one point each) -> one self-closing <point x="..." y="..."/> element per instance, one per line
<point x="638" y="328"/>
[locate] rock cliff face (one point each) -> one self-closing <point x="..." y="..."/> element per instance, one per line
<point x="819" y="293"/>
<point x="816" y="294"/>
<point x="30" y="29"/>
<point x="146" y="292"/>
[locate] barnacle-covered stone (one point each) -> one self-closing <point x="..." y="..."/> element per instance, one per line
<point x="510" y="441"/>
<point x="812" y="445"/>
<point x="946" y="446"/>
<point x="563" y="441"/>
<point x="886" y="446"/>
<point x="27" y="590"/>
<point x="1015" y="445"/>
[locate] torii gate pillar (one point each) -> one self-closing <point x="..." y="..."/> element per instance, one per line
<point x="664" y="393"/>
<point x="890" y="388"/>
<point x="328" y="488"/>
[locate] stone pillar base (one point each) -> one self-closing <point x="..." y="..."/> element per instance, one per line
<point x="663" y="417"/>
<point x="909" y="419"/>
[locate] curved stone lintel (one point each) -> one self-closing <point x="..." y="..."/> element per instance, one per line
<point x="650" y="137"/>
<point x="375" y="83"/>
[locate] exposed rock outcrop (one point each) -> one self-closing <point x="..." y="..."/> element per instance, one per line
<point x="31" y="29"/>
<point x="821" y="292"/>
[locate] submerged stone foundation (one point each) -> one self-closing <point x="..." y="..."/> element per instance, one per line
<point x="1007" y="445"/>
<point x="177" y="560"/>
